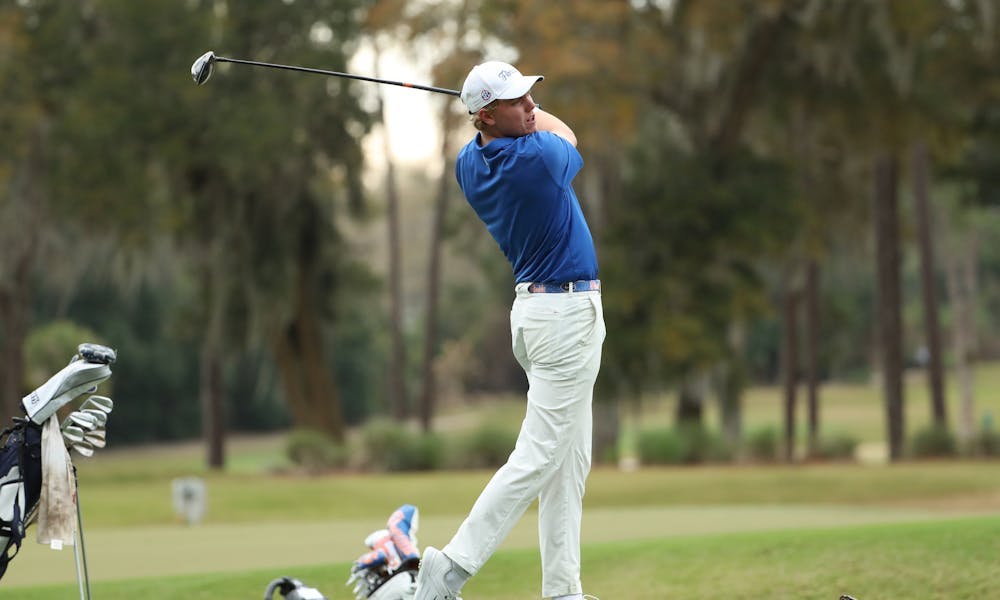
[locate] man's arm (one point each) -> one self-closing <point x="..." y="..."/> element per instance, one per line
<point x="549" y="122"/>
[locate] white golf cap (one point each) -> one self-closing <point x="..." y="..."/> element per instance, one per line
<point x="492" y="80"/>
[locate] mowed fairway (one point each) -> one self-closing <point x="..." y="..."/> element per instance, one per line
<point x="911" y="530"/>
<point x="929" y="530"/>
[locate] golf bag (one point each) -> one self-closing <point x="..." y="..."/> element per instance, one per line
<point x="20" y="485"/>
<point x="22" y="475"/>
<point x="388" y="571"/>
<point x="292" y="589"/>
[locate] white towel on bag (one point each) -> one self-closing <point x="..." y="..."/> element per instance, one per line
<point x="57" y="502"/>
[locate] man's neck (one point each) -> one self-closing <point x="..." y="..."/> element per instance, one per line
<point x="485" y="138"/>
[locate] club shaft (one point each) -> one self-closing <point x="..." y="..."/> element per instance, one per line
<point x="338" y="74"/>
<point x="81" y="550"/>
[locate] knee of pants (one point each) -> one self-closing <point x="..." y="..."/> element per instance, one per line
<point x="542" y="450"/>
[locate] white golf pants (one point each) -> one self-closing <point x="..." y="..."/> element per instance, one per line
<point x="557" y="339"/>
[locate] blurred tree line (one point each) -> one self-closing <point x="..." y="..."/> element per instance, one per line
<point x="781" y="191"/>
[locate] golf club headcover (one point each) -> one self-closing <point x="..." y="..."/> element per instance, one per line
<point x="96" y="353"/>
<point x="88" y="368"/>
<point x="386" y="570"/>
<point x="383" y="553"/>
<point x="403" y="525"/>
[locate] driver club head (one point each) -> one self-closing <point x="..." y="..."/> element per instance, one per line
<point x="201" y="70"/>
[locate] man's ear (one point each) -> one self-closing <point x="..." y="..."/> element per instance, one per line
<point x="486" y="116"/>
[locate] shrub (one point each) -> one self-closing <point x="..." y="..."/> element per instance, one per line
<point x="762" y="444"/>
<point x="426" y="454"/>
<point x="703" y="445"/>
<point x="389" y="446"/>
<point x="986" y="443"/>
<point x="487" y="446"/>
<point x="933" y="442"/>
<point x="840" y="446"/>
<point x="660" y="447"/>
<point x="50" y="347"/>
<point x="314" y="451"/>
<point x="682" y="445"/>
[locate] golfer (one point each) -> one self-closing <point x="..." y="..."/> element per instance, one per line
<point x="517" y="175"/>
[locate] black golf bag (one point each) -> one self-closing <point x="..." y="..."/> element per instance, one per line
<point x="20" y="485"/>
<point x="21" y="453"/>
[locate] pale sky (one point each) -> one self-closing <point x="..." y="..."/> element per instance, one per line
<point x="412" y="115"/>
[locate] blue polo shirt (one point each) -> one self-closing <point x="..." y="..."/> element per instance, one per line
<point x="522" y="190"/>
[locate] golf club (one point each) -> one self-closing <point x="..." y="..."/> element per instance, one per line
<point x="80" y="419"/>
<point x="101" y="403"/>
<point x="72" y="434"/>
<point x="99" y="417"/>
<point x="79" y="550"/>
<point x="96" y="438"/>
<point x="201" y="70"/>
<point x="83" y="448"/>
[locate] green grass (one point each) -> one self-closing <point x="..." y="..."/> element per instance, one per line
<point x="911" y="530"/>
<point x="670" y="522"/>
<point x="944" y="559"/>
<point x="111" y="501"/>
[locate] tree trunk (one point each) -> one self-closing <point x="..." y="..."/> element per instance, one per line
<point x="397" y="360"/>
<point x="763" y="40"/>
<point x="732" y="380"/>
<point x="690" y="400"/>
<point x="812" y="333"/>
<point x="428" y="392"/>
<point x="322" y="394"/>
<point x="212" y="390"/>
<point x="20" y="251"/>
<point x="398" y="402"/>
<point x="889" y="318"/>
<point x="932" y="328"/>
<point x="283" y="347"/>
<point x="790" y="366"/>
<point x="960" y="278"/>
<point x="14" y="300"/>
<point x="309" y="385"/>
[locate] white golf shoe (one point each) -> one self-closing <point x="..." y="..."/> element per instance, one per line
<point x="439" y="578"/>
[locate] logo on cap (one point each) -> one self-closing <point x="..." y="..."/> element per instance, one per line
<point x="486" y="95"/>
<point x="505" y="74"/>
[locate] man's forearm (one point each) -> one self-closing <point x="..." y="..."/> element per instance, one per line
<point x="549" y="122"/>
